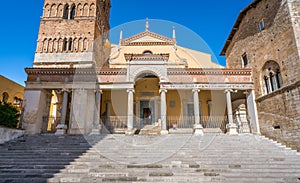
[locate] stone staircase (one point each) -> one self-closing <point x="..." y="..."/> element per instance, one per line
<point x="170" y="158"/>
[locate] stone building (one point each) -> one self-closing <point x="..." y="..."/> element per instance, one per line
<point x="265" y="39"/>
<point x="11" y="92"/>
<point x="145" y="84"/>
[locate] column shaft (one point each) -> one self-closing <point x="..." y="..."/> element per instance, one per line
<point x="163" y="109"/>
<point x="231" y="127"/>
<point x="229" y="107"/>
<point x="130" y="110"/>
<point x="196" y="107"/>
<point x="64" y="108"/>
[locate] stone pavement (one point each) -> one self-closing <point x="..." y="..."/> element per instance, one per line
<point x="170" y="158"/>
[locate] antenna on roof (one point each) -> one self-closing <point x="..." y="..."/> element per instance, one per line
<point x="147" y="24"/>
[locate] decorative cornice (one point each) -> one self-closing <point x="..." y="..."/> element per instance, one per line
<point x="129" y="41"/>
<point x="143" y="57"/>
<point x="73" y="71"/>
<point x="209" y="72"/>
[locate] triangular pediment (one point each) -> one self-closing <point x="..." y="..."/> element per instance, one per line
<point x="147" y="38"/>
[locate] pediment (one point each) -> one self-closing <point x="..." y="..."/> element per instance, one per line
<point x="146" y="38"/>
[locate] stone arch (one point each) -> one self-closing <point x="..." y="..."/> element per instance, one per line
<point x="151" y="70"/>
<point x="44" y="45"/>
<point x="75" y="45"/>
<point x="85" y="44"/>
<point x="92" y="10"/>
<point x="85" y="10"/>
<point x="60" y="10"/>
<point x="59" y="45"/>
<point x="55" y="45"/>
<point x="47" y="10"/>
<point x="271" y="79"/>
<point x="53" y="10"/>
<point x="80" y="45"/>
<point x="72" y="12"/>
<point x="66" y="11"/>
<point x="79" y="10"/>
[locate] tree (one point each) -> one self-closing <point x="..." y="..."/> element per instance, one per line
<point x="9" y="115"/>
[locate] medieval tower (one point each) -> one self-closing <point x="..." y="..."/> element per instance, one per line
<point x="72" y="33"/>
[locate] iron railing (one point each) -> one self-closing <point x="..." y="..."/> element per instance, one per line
<point x="120" y="122"/>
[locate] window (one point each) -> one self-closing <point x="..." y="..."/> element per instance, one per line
<point x="66" y="12"/>
<point x="147" y="52"/>
<point x="261" y="25"/>
<point x="266" y="79"/>
<point x="278" y="78"/>
<point x="271" y="77"/>
<point x="70" y="46"/>
<point x="72" y="13"/>
<point x="65" y="42"/>
<point x="244" y="60"/>
<point x="5" y="97"/>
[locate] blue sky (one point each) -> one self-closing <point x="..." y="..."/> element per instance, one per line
<point x="211" y="20"/>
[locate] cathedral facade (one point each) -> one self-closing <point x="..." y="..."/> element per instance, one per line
<point x="80" y="83"/>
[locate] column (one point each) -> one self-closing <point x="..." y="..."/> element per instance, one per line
<point x="107" y="116"/>
<point x="61" y="127"/>
<point x="231" y="127"/>
<point x="130" y="130"/>
<point x="163" y="109"/>
<point x="97" y="111"/>
<point x="197" y="126"/>
<point x="252" y="111"/>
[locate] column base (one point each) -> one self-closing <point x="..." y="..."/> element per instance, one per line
<point x="61" y="129"/>
<point x="232" y="129"/>
<point x="164" y="132"/>
<point x="198" y="130"/>
<point x="96" y="131"/>
<point x="130" y="131"/>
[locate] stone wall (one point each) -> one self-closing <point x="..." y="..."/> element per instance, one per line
<point x="278" y="111"/>
<point x="7" y="134"/>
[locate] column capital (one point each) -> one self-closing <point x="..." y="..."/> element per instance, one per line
<point x="163" y="90"/>
<point x="196" y="90"/>
<point x="230" y="90"/>
<point x="130" y="90"/>
<point x="98" y="90"/>
<point x="66" y="90"/>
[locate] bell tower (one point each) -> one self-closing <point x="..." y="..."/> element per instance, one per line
<point x="73" y="34"/>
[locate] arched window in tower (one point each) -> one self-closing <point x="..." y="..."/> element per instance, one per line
<point x="73" y="12"/>
<point x="60" y="44"/>
<point x="70" y="46"/>
<point x="65" y="43"/>
<point x="50" y="46"/>
<point x="85" y="10"/>
<point x="85" y="44"/>
<point x="66" y="12"/>
<point x="75" y="45"/>
<point x="44" y="46"/>
<point x="53" y="10"/>
<point x="92" y="10"/>
<point x="60" y="10"/>
<point x="271" y="77"/>
<point x="47" y="10"/>
<point x="79" y="10"/>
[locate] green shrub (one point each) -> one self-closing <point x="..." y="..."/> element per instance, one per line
<point x="9" y="115"/>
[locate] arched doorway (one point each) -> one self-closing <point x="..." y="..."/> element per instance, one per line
<point x="147" y="100"/>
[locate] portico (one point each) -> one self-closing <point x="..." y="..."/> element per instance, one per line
<point x="150" y="83"/>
